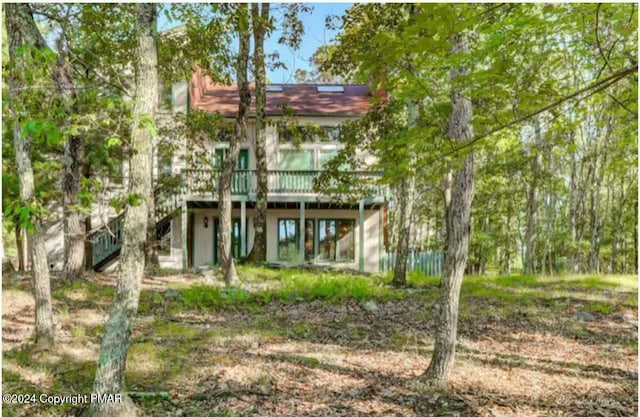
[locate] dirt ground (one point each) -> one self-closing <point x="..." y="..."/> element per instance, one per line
<point x="328" y="359"/>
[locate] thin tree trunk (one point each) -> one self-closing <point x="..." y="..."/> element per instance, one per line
<point x="88" y="254"/>
<point x="260" y="19"/>
<point x="532" y="204"/>
<point x="21" y="247"/>
<point x="406" y="202"/>
<point x="113" y="352"/>
<point x="151" y="247"/>
<point x="506" y="260"/>
<point x="458" y="232"/>
<point x="73" y="223"/>
<point x="73" y="219"/>
<point x="573" y="262"/>
<point x="228" y="266"/>
<point x="22" y="31"/>
<point x="599" y="160"/>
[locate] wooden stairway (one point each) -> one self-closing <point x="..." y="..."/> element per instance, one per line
<point x="106" y="242"/>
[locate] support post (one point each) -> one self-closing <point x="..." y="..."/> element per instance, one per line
<point x="361" y="237"/>
<point x="243" y="228"/>
<point x="185" y="245"/>
<point x="301" y="229"/>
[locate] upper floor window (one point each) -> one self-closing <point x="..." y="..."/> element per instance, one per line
<point x="165" y="99"/>
<point x="330" y="89"/>
<point x="308" y="133"/>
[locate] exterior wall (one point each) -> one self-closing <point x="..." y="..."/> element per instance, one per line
<point x="203" y="237"/>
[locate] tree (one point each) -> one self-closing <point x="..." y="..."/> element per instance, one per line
<point x="26" y="48"/>
<point x="241" y="20"/>
<point x="318" y="75"/>
<point x="73" y="160"/>
<point x="458" y="218"/>
<point x="113" y="352"/>
<point x="261" y="25"/>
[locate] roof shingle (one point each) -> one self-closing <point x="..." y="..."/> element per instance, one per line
<point x="303" y="99"/>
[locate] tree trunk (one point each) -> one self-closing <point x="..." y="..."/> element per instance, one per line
<point x="73" y="224"/>
<point x="405" y="205"/>
<point x="151" y="247"/>
<point x="228" y="266"/>
<point x="260" y="19"/>
<point x="113" y="352"/>
<point x="406" y="197"/>
<point x="22" y="31"/>
<point x="532" y="203"/>
<point x="88" y="254"/>
<point x="21" y="248"/>
<point x="506" y="260"/>
<point x="458" y="218"/>
<point x="573" y="261"/>
<point x="73" y="219"/>
<point x="599" y="160"/>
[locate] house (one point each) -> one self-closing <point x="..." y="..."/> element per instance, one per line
<point x="303" y="225"/>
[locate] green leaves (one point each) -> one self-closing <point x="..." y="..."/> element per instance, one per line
<point x="43" y="130"/>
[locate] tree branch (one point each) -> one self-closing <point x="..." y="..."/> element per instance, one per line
<point x="596" y="87"/>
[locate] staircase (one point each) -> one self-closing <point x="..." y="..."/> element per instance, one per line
<point x="106" y="242"/>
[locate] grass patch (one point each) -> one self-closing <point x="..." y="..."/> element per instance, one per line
<point x="602" y="308"/>
<point x="84" y="291"/>
<point x="333" y="287"/>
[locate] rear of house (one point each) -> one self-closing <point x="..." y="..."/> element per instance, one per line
<point x="303" y="225"/>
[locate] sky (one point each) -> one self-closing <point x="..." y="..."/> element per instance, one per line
<point x="315" y="34"/>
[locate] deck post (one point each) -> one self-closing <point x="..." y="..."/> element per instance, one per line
<point x="302" y="230"/>
<point x="243" y="228"/>
<point x="361" y="237"/>
<point x="184" y="225"/>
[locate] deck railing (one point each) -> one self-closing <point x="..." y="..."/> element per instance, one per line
<point x="106" y="242"/>
<point x="429" y="263"/>
<point x="205" y="182"/>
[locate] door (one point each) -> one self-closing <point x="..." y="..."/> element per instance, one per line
<point x="235" y="240"/>
<point x="240" y="179"/>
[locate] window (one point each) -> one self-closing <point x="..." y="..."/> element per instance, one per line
<point x="273" y="88"/>
<point x="288" y="241"/>
<point x="295" y="160"/>
<point x="165" y="101"/>
<point x="308" y="133"/>
<point x="332" y="134"/>
<point x="330" y="89"/>
<point x="336" y="240"/>
<point x="324" y="157"/>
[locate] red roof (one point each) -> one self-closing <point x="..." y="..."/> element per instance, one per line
<point x="304" y="99"/>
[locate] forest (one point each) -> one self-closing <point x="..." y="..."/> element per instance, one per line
<point x="503" y="138"/>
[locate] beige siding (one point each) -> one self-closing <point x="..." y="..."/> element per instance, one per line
<point x="203" y="238"/>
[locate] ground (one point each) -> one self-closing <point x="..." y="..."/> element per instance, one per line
<point x="301" y="343"/>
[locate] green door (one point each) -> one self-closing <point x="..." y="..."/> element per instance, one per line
<point x="235" y="240"/>
<point x="240" y="180"/>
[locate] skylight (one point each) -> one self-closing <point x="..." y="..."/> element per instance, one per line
<point x="330" y="89"/>
<point x="274" y="88"/>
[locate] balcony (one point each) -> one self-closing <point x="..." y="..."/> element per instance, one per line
<point x="347" y="184"/>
